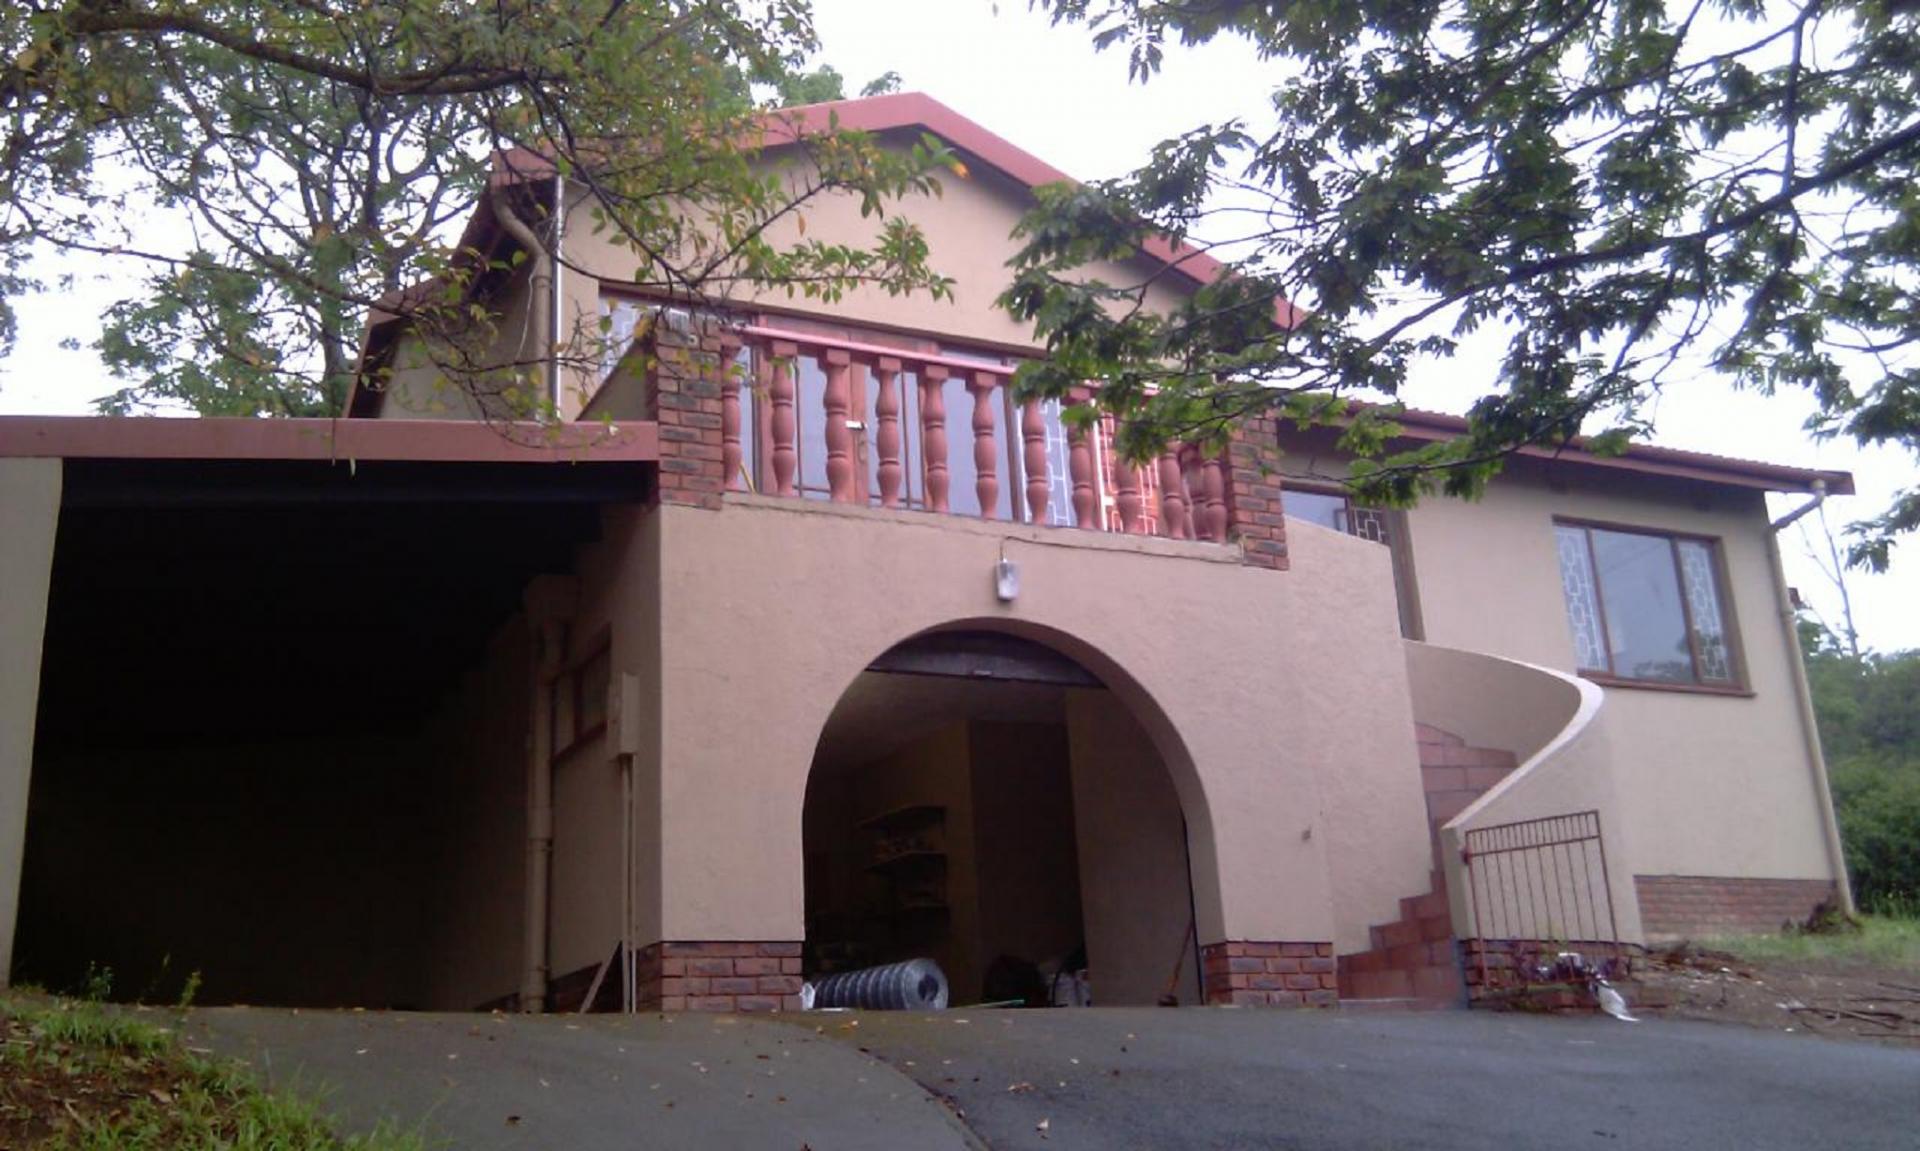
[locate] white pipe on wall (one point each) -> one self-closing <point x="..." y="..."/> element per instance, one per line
<point x="1803" y="696"/>
<point x="540" y="322"/>
<point x="549" y="604"/>
<point x="556" y="264"/>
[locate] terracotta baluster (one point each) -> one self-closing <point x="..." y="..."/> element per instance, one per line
<point x="1213" y="483"/>
<point x="1080" y="471"/>
<point x="886" y="411"/>
<point x="780" y="396"/>
<point x="933" y="434"/>
<point x="838" y="399"/>
<point x="730" y="384"/>
<point x="1127" y="497"/>
<point x="1173" y="503"/>
<point x="1033" y="436"/>
<point x="986" y="482"/>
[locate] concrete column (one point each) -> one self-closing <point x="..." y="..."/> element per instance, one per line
<point x="29" y="513"/>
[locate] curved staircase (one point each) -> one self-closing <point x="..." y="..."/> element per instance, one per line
<point x="1414" y="956"/>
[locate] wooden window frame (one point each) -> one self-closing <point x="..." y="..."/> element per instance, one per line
<point x="1738" y="683"/>
<point x="572" y="678"/>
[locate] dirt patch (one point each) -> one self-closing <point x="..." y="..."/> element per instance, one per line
<point x="1836" y="999"/>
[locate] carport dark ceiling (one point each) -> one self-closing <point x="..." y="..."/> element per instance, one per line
<point x="240" y="599"/>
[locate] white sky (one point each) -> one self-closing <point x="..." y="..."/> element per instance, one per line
<point x="1045" y="90"/>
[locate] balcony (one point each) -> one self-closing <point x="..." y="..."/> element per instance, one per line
<point x="918" y="426"/>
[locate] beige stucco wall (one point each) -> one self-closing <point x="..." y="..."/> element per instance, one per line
<point x="1278" y="719"/>
<point x="29" y="517"/>
<point x="1351" y="678"/>
<point x="969" y="233"/>
<point x="1709" y="784"/>
<point x="1027" y="872"/>
<point x="477" y="878"/>
<point x="1132" y="856"/>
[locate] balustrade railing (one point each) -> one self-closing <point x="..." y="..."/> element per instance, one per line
<point x="821" y="418"/>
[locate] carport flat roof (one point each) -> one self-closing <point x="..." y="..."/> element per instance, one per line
<point x="426" y="441"/>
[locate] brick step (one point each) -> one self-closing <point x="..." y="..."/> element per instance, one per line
<point x="1424" y="906"/>
<point x="1432" y="984"/>
<point x="1427" y="733"/>
<point x="1407" y="932"/>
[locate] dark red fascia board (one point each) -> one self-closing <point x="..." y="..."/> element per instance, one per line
<point x="1650" y="460"/>
<point x="428" y="441"/>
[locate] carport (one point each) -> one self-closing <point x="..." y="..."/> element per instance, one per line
<point x="254" y="697"/>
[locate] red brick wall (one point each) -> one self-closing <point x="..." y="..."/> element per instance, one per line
<point x="1693" y="905"/>
<point x="1253" y="493"/>
<point x="1493" y="967"/>
<point x="730" y="976"/>
<point x="1251" y="974"/>
<point x="685" y="383"/>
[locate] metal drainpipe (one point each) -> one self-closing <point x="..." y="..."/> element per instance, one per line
<point x="556" y="269"/>
<point x="542" y="270"/>
<point x="533" y="987"/>
<point x="1803" y="695"/>
<point x="549" y="603"/>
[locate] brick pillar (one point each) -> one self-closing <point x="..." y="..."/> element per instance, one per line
<point x="1253" y="493"/>
<point x="730" y="976"/>
<point x="1244" y="973"/>
<point x="684" y="378"/>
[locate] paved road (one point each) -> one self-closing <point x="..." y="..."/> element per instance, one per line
<point x="1100" y="1079"/>
<point x="479" y="1082"/>
<point x="1148" y="1078"/>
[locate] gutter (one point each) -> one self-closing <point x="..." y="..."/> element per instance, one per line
<point x="1803" y="695"/>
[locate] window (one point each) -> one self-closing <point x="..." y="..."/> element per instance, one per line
<point x="1327" y="509"/>
<point x="1645" y="606"/>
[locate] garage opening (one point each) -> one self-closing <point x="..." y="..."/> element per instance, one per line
<point x="280" y="751"/>
<point x="984" y="801"/>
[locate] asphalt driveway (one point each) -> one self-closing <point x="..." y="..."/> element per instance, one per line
<point x="584" y="1083"/>
<point x="1156" y="1078"/>
<point x="1102" y="1078"/>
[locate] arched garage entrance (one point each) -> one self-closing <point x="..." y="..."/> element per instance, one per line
<point x="987" y="801"/>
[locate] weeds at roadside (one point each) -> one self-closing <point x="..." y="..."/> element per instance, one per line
<point x="1881" y="940"/>
<point x="77" y="1075"/>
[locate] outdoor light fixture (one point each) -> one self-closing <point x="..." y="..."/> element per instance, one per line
<point x="1006" y="580"/>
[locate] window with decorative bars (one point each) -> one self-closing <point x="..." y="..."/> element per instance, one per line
<point x="1646" y="605"/>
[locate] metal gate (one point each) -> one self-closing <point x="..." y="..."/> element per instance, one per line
<point x="1540" y="886"/>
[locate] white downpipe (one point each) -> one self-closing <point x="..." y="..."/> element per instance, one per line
<point x="549" y="604"/>
<point x="556" y="264"/>
<point x="1809" y="723"/>
<point x="540" y="321"/>
<point x="628" y="990"/>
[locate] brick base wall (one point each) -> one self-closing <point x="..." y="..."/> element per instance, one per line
<point x="730" y="976"/>
<point x="1243" y="973"/>
<point x="1501" y="969"/>
<point x="1674" y="906"/>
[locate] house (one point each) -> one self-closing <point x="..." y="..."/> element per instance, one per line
<point x="804" y="648"/>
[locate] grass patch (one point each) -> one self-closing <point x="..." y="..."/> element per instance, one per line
<point x="81" y="1076"/>
<point x="1882" y="941"/>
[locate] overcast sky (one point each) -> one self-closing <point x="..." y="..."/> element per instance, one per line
<point x="1046" y="90"/>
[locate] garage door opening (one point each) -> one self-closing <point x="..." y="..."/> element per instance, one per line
<point x="276" y="753"/>
<point x="984" y="801"/>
